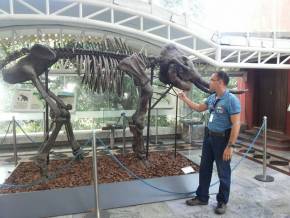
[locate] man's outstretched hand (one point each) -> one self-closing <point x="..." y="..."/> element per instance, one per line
<point x="182" y="96"/>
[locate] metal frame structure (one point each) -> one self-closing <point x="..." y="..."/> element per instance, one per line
<point x="135" y="19"/>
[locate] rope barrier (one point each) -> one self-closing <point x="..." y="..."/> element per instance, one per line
<point x="6" y="133"/>
<point x="54" y="175"/>
<point x="27" y="136"/>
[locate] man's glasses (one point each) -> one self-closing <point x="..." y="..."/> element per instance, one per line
<point x="213" y="80"/>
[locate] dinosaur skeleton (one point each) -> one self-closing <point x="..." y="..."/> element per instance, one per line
<point x="102" y="66"/>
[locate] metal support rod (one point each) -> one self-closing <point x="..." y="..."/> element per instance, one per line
<point x="46" y="112"/>
<point x="162" y="93"/>
<point x="44" y="125"/>
<point x="190" y="129"/>
<point x="148" y="129"/>
<point x="95" y="175"/>
<point x="149" y="115"/>
<point x="162" y="96"/>
<point x="156" y="126"/>
<point x="46" y="108"/>
<point x="175" y="136"/>
<point x="124" y="132"/>
<point x="156" y="142"/>
<point x="264" y="177"/>
<point x="112" y="137"/>
<point x="14" y="141"/>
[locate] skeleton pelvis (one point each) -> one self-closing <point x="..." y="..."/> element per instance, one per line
<point x="16" y="74"/>
<point x="33" y="64"/>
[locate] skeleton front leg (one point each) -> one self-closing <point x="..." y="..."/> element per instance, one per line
<point x="135" y="66"/>
<point x="138" y="120"/>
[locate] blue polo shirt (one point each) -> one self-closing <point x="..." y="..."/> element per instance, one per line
<point x="221" y="109"/>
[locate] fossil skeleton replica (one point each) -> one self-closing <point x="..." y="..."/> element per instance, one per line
<point x="102" y="66"/>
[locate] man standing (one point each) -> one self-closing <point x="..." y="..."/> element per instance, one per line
<point x="222" y="132"/>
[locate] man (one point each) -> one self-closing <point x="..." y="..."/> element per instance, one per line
<point x="222" y="132"/>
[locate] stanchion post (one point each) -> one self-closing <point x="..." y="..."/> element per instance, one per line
<point x="265" y="148"/>
<point x="95" y="175"/>
<point x="14" y="141"/>
<point x="264" y="177"/>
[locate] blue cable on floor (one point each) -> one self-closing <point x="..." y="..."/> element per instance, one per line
<point x="171" y="192"/>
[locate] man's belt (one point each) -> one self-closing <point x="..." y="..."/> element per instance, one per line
<point x="218" y="134"/>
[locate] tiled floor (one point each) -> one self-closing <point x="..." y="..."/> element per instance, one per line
<point x="249" y="197"/>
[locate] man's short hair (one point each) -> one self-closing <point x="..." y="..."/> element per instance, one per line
<point x="223" y="76"/>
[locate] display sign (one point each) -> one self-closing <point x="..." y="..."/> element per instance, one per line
<point x="27" y="101"/>
<point x="187" y="170"/>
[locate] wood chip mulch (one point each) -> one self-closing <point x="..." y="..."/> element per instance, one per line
<point x="79" y="173"/>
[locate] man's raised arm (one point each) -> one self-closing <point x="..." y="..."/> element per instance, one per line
<point x="195" y="106"/>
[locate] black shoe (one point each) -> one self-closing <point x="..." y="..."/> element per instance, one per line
<point x="195" y="201"/>
<point x="220" y="208"/>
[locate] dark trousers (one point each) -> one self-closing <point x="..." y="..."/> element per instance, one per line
<point x="212" y="150"/>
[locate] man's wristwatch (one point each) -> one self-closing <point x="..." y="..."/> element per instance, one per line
<point x="230" y="145"/>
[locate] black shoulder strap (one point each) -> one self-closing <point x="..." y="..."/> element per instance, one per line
<point x="214" y="105"/>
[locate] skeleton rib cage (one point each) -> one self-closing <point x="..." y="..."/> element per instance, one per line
<point x="96" y="63"/>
